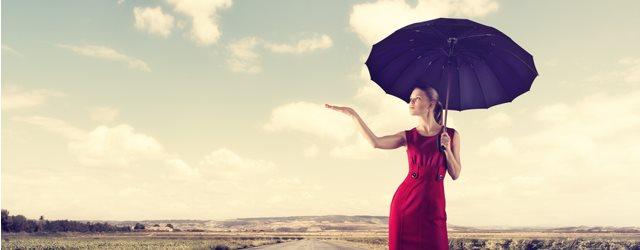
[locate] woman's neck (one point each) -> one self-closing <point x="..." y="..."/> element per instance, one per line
<point x="428" y="125"/>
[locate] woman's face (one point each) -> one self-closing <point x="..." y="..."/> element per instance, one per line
<point x="419" y="103"/>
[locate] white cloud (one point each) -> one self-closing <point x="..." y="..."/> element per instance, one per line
<point x="243" y="57"/>
<point x="626" y="74"/>
<point x="311" y="118"/>
<point x="311" y="151"/>
<point x="498" y="120"/>
<point x="553" y="62"/>
<point x="359" y="148"/>
<point x="220" y="176"/>
<point x="288" y="192"/>
<point x="15" y="97"/>
<point x="556" y="112"/>
<point x="500" y="146"/>
<point x="204" y="18"/>
<point x="632" y="72"/>
<point x="103" y="146"/>
<point x="11" y="50"/>
<point x="373" y="21"/>
<point x="103" y="114"/>
<point x="122" y="146"/>
<point x="584" y="127"/>
<point x="305" y="45"/>
<point x="107" y="53"/>
<point x="181" y="24"/>
<point x="284" y="183"/>
<point x="180" y="170"/>
<point x="54" y="125"/>
<point x="116" y="146"/>
<point x="226" y="164"/>
<point x="568" y="147"/>
<point x="153" y="20"/>
<point x="383" y="111"/>
<point x="132" y="192"/>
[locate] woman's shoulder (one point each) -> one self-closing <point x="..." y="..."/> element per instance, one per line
<point x="408" y="133"/>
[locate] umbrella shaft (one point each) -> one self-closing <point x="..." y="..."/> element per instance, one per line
<point x="446" y="102"/>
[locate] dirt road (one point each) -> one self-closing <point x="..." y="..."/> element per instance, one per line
<point x="310" y="244"/>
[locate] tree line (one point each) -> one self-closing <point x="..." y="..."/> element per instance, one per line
<point x="19" y="223"/>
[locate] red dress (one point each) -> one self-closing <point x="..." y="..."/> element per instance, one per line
<point x="418" y="219"/>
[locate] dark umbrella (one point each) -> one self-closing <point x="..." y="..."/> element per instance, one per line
<point x="477" y="66"/>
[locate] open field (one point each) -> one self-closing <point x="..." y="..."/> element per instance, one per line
<point x="324" y="240"/>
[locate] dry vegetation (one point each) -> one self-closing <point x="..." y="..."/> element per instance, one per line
<point x="138" y="241"/>
<point x="374" y="241"/>
<point x="366" y="232"/>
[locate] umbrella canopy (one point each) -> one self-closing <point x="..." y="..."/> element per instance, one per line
<point x="479" y="65"/>
<point x="474" y="65"/>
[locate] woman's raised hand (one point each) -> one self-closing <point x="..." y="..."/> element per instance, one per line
<point x="346" y="110"/>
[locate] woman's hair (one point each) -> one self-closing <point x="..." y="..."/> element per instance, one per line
<point x="433" y="95"/>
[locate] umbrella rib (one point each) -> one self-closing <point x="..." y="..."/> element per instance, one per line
<point x="399" y="55"/>
<point x="405" y="69"/>
<point x="395" y="40"/>
<point x="520" y="59"/>
<point x="484" y="98"/>
<point x="444" y="86"/>
<point x="459" y="88"/>
<point x="500" y="83"/>
<point x="512" y="68"/>
<point x="437" y="31"/>
<point x="475" y="27"/>
<point x="429" y="66"/>
<point x="477" y="35"/>
<point x="399" y="75"/>
<point x="395" y="81"/>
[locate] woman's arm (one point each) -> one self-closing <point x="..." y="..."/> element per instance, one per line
<point x="385" y="142"/>
<point x="391" y="141"/>
<point x="454" y="165"/>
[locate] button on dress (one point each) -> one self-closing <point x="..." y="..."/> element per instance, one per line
<point x="417" y="218"/>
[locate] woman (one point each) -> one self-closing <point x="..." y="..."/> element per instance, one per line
<point x="417" y="218"/>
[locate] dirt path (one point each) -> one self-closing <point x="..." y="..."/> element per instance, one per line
<point x="310" y="244"/>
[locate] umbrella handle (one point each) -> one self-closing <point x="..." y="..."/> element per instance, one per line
<point x="440" y="177"/>
<point x="443" y="148"/>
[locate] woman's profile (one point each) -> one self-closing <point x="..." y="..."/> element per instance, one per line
<point x="417" y="217"/>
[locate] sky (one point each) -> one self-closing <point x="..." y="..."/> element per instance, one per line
<point x="214" y="109"/>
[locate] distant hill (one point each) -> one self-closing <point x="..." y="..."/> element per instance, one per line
<point x="356" y="223"/>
